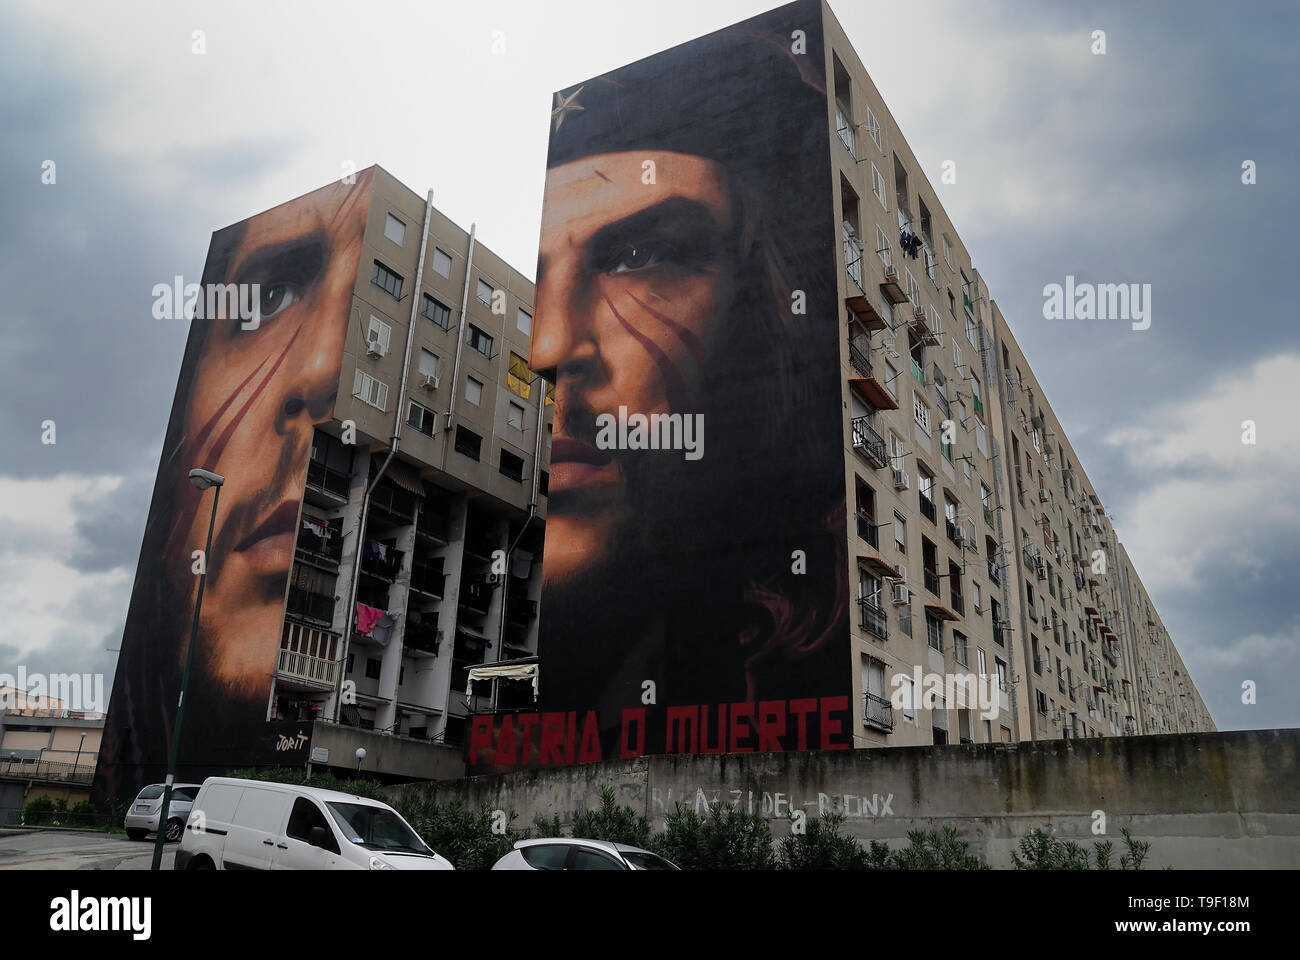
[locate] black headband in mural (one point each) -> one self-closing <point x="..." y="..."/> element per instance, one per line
<point x="715" y="97"/>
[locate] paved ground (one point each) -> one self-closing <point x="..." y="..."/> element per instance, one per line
<point x="78" y="850"/>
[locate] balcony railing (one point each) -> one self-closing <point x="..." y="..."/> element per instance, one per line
<point x="428" y="579"/>
<point x="421" y="636"/>
<point x="321" y="548"/>
<point x="958" y="603"/>
<point x="323" y="478"/>
<point x="944" y="406"/>
<point x="62" y="771"/>
<point x="299" y="666"/>
<point x="927" y="509"/>
<point x="918" y="373"/>
<point x="995" y="572"/>
<point x="979" y="407"/>
<point x="868" y="442"/>
<point x="868" y="530"/>
<point x="932" y="581"/>
<point x="309" y="605"/>
<point x="521" y="609"/>
<point x="877" y="712"/>
<point x="952" y="530"/>
<point x="852" y="255"/>
<point x="845" y="130"/>
<point x="386" y="567"/>
<point x="873" y="619"/>
<point x="988" y="517"/>
<point x="858" y="357"/>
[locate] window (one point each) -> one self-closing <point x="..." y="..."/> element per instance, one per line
<point x="939" y="721"/>
<point x="372" y="668"/>
<point x="473" y="390"/>
<point x="913" y="290"/>
<point x="546" y="856"/>
<point x="959" y="646"/>
<point x="479" y="341"/>
<point x="519" y="378"/>
<point x="891" y="379"/>
<point x="878" y="186"/>
<point x="468" y="443"/>
<point x="422" y="419"/>
<point x="428" y="363"/>
<point x="441" y="263"/>
<point x="925" y="483"/>
<point x="883" y="251"/>
<point x="550" y="395"/>
<point x="966" y="471"/>
<point x="921" y="412"/>
<point x="971" y="334"/>
<point x="1002" y="673"/>
<point x="988" y="731"/>
<point x="369" y="390"/>
<point x="511" y="466"/>
<point x="907" y="695"/>
<point x="485" y="292"/>
<point x="900" y="532"/>
<point x="873" y="130"/>
<point x="395" y="230"/>
<point x="386" y="280"/>
<point x="524" y="321"/>
<point x="306" y="816"/>
<point x="515" y="415"/>
<point x="378" y="334"/>
<point x="947" y="257"/>
<point x="439" y="314"/>
<point x="934" y="632"/>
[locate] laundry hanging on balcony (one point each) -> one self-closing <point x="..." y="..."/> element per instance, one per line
<point x="910" y="243"/>
<point x="367" y="618"/>
<point x="318" y="527"/>
<point x="374" y="550"/>
<point x="383" y="631"/>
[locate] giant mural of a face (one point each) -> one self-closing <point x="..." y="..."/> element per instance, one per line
<point x="687" y="207"/>
<point x="249" y="396"/>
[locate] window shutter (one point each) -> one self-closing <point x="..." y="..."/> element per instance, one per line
<point x="358" y="384"/>
<point x="381" y="398"/>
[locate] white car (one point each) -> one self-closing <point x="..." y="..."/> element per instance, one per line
<point x="258" y="825"/>
<point x="142" y="816"/>
<point x="576" y="853"/>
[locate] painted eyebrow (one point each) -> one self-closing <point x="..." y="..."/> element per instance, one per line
<point x="299" y="259"/>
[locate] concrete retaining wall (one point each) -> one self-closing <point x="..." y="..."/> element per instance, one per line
<point x="1202" y="800"/>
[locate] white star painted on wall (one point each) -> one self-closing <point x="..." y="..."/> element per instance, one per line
<point x="564" y="106"/>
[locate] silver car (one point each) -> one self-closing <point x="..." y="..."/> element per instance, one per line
<point x="573" y="853"/>
<point x="142" y="816"/>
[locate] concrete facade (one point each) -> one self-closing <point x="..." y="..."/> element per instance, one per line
<point x="1216" y="800"/>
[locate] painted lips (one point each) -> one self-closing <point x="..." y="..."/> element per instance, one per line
<point x="268" y="547"/>
<point x="577" y="464"/>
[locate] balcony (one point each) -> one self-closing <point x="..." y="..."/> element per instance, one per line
<point x="433" y="525"/>
<point x="299" y="666"/>
<point x="520" y="609"/>
<point x="845" y="129"/>
<point x="312" y="546"/>
<point x="865" y="383"/>
<point x="877" y="712"/>
<point x="326" y="480"/>
<point x="868" y="530"/>
<point x="868" y="443"/>
<point x="1001" y="633"/>
<point x="958" y="603"/>
<point x="852" y="254"/>
<point x="966" y="302"/>
<point x="995" y="572"/>
<point x="872" y="619"/>
<point x="381" y="561"/>
<point x="932" y="581"/>
<point x="979" y="407"/>
<point x="927" y="509"/>
<point x="859" y="360"/>
<point x="988" y="517"/>
<point x="476" y="595"/>
<point x="918" y="373"/>
<point x="318" y="607"/>
<point x="428" y="579"/>
<point x="952" y="530"/>
<point x="421" y="636"/>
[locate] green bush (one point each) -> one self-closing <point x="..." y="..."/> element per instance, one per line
<point x="1039" y="850"/>
<point x="44" y="810"/>
<point x="931" y="850"/>
<point x="618" y="824"/>
<point x="726" y="839"/>
<point x="471" y="840"/>
<point x="359" y="786"/>
<point x="820" y="847"/>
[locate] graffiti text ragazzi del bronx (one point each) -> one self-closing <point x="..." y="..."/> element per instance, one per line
<point x="771" y="803"/>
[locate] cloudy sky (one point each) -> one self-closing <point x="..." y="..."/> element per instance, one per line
<point x="1117" y="168"/>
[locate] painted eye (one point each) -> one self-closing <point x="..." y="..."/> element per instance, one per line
<point x="277" y="297"/>
<point x="640" y="256"/>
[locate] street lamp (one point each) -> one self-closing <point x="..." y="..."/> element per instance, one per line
<point x="76" y="764"/>
<point x="361" y="755"/>
<point x="202" y="479"/>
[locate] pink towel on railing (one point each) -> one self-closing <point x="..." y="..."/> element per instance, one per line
<point x="367" y="617"/>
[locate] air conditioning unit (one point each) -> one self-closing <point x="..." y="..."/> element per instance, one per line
<point x="492" y="579"/>
<point x="901" y="594"/>
<point x="891" y="273"/>
<point x="429" y="381"/>
<point x="902" y="481"/>
<point x="375" y="349"/>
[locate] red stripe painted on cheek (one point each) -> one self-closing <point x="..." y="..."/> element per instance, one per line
<point x="687" y="337"/>
<point x="220" y="445"/>
<point x="673" y="386"/>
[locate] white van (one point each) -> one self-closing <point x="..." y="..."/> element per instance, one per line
<point x="258" y="825"/>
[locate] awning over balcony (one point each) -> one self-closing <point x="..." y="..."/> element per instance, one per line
<point x="873" y="392"/>
<point x="864" y="311"/>
<point x="942" y="612"/>
<point x="874" y="564"/>
<point x="505" y="670"/>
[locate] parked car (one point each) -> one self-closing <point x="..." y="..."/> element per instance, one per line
<point x="575" y="853"/>
<point x="258" y="825"/>
<point x="142" y="816"/>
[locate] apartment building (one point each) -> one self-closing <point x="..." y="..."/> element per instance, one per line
<point x="979" y="543"/>
<point x="394" y="596"/>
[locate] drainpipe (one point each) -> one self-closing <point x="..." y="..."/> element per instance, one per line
<point x="393" y="443"/>
<point x="532" y="512"/>
<point x="460" y="342"/>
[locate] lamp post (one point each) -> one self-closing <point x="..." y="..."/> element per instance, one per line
<point x="361" y="755"/>
<point x="202" y="479"/>
<point x="76" y="764"/>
